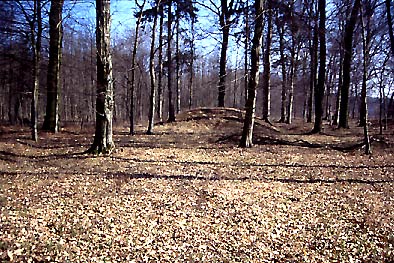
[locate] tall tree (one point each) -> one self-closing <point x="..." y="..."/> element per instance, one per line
<point x="281" y="31"/>
<point x="346" y="67"/>
<point x="319" y="91"/>
<point x="36" y="28"/>
<point x="267" y="64"/>
<point x="103" y="141"/>
<point x="247" y="132"/>
<point x="314" y="41"/>
<point x="227" y="10"/>
<point x="152" y="97"/>
<point x="160" y="67"/>
<point x="390" y="25"/>
<point x="51" y="120"/>
<point x="133" y="62"/>
<point x="171" y="107"/>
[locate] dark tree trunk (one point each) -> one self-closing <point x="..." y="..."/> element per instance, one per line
<point x="103" y="141"/>
<point x="319" y="91"/>
<point x="171" y="108"/>
<point x="267" y="65"/>
<point x="346" y="68"/>
<point x="247" y="132"/>
<point x="313" y="69"/>
<point x="178" y="63"/>
<point x="51" y="121"/>
<point x="390" y="25"/>
<point x="225" y="25"/>
<point x="152" y="97"/>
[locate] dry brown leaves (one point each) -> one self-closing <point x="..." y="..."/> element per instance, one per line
<point x="178" y="196"/>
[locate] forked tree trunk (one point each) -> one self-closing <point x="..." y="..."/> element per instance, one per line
<point x="152" y="98"/>
<point x="103" y="141"/>
<point x="51" y="121"/>
<point x="319" y="91"/>
<point x="267" y="65"/>
<point x="247" y="132"/>
<point x="347" y="59"/>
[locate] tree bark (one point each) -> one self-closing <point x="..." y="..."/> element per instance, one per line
<point x="313" y="68"/>
<point x="191" y="69"/>
<point x="160" y="65"/>
<point x="133" y="65"/>
<point x="319" y="91"/>
<point x="152" y="98"/>
<point x="51" y="121"/>
<point x="347" y="59"/>
<point x="283" y="71"/>
<point x="390" y="25"/>
<point x="247" y="132"/>
<point x="177" y="62"/>
<point x="171" y="108"/>
<point x="103" y="141"/>
<point x="225" y="25"/>
<point x="36" y="43"/>
<point x="267" y="65"/>
<point x="247" y="33"/>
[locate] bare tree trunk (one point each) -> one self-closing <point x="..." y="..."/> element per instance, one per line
<point x="347" y="59"/>
<point x="171" y="109"/>
<point x="160" y="65"/>
<point x="390" y="25"/>
<point x="267" y="65"/>
<point x="364" y="105"/>
<point x="152" y="98"/>
<point x="103" y="141"/>
<point x="133" y="65"/>
<point x="51" y="121"/>
<point x="247" y="132"/>
<point x="283" y="71"/>
<point x="191" y="69"/>
<point x="177" y="61"/>
<point x="319" y="91"/>
<point x="247" y="33"/>
<point x="36" y="41"/>
<point x="313" y="67"/>
<point x="225" y="25"/>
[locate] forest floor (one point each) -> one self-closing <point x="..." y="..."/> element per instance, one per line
<point x="189" y="194"/>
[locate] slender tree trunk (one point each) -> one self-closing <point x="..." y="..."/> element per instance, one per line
<point x="390" y="25"/>
<point x="171" y="108"/>
<point x="283" y="69"/>
<point x="293" y="72"/>
<point x="51" y="121"/>
<point x="347" y="59"/>
<point x="319" y="91"/>
<point x="247" y="33"/>
<point x="160" y="65"/>
<point x="364" y="105"/>
<point x="177" y="61"/>
<point x="152" y="98"/>
<point x="191" y="69"/>
<point x="225" y="24"/>
<point x="103" y="141"/>
<point x="36" y="41"/>
<point x="313" y="67"/>
<point x="267" y="65"/>
<point x="133" y="65"/>
<point x="247" y="132"/>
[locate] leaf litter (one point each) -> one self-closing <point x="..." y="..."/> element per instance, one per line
<point x="180" y="196"/>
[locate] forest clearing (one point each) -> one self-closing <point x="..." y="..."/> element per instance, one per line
<point x="188" y="193"/>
